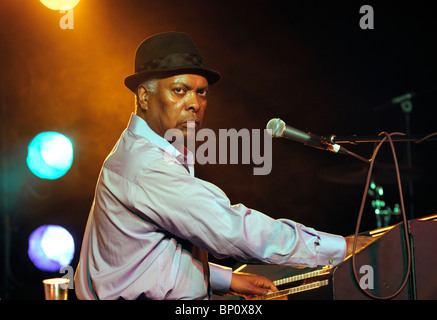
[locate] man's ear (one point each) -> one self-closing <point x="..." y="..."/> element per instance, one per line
<point x="142" y="97"/>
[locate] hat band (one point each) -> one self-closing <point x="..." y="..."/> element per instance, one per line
<point x="172" y="61"/>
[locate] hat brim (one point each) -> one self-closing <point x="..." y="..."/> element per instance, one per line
<point x="134" y="80"/>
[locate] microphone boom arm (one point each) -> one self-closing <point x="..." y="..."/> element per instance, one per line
<point x="354" y="139"/>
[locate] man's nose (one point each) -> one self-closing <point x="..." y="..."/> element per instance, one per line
<point x="193" y="102"/>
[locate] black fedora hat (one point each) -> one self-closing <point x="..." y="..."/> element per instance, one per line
<point x="165" y="55"/>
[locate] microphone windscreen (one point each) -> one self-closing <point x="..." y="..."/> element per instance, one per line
<point x="277" y="127"/>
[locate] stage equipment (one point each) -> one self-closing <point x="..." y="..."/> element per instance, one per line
<point x="279" y="129"/>
<point x="381" y="267"/>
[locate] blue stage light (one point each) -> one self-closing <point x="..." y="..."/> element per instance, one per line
<point x="50" y="155"/>
<point x="50" y="247"/>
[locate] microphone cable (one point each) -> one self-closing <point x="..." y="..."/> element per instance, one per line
<point x="404" y="217"/>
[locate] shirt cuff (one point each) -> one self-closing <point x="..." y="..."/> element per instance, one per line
<point x="220" y="277"/>
<point x="331" y="249"/>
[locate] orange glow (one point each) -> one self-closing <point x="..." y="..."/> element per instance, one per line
<point x="60" y="4"/>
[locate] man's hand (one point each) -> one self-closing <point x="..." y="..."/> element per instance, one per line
<point x="361" y="242"/>
<point x="248" y="284"/>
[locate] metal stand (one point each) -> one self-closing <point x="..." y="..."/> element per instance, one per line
<point x="407" y="107"/>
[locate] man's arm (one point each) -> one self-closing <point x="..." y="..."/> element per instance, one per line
<point x="200" y="212"/>
<point x="224" y="280"/>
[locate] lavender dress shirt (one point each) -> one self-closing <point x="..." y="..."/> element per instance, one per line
<point x="152" y="223"/>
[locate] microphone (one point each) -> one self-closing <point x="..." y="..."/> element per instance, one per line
<point x="278" y="129"/>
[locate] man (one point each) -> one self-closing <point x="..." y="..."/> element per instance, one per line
<point x="152" y="223"/>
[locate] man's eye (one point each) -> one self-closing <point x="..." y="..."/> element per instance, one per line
<point x="203" y="92"/>
<point x="179" y="90"/>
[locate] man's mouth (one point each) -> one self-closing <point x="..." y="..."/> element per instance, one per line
<point x="191" y="124"/>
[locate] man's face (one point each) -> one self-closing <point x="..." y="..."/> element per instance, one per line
<point x="176" y="101"/>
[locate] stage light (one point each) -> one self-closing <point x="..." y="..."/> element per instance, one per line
<point x="60" y="4"/>
<point x="50" y="247"/>
<point x="50" y="155"/>
<point x="380" y="191"/>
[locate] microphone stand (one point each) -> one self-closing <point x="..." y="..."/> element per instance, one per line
<point x="403" y="138"/>
<point x="354" y="139"/>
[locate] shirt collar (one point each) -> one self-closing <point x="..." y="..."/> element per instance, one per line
<point x="140" y="127"/>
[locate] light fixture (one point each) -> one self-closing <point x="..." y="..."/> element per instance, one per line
<point x="50" y="155"/>
<point x="50" y="247"/>
<point x="60" y="4"/>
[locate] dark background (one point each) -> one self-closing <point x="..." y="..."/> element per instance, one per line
<point x="307" y="62"/>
